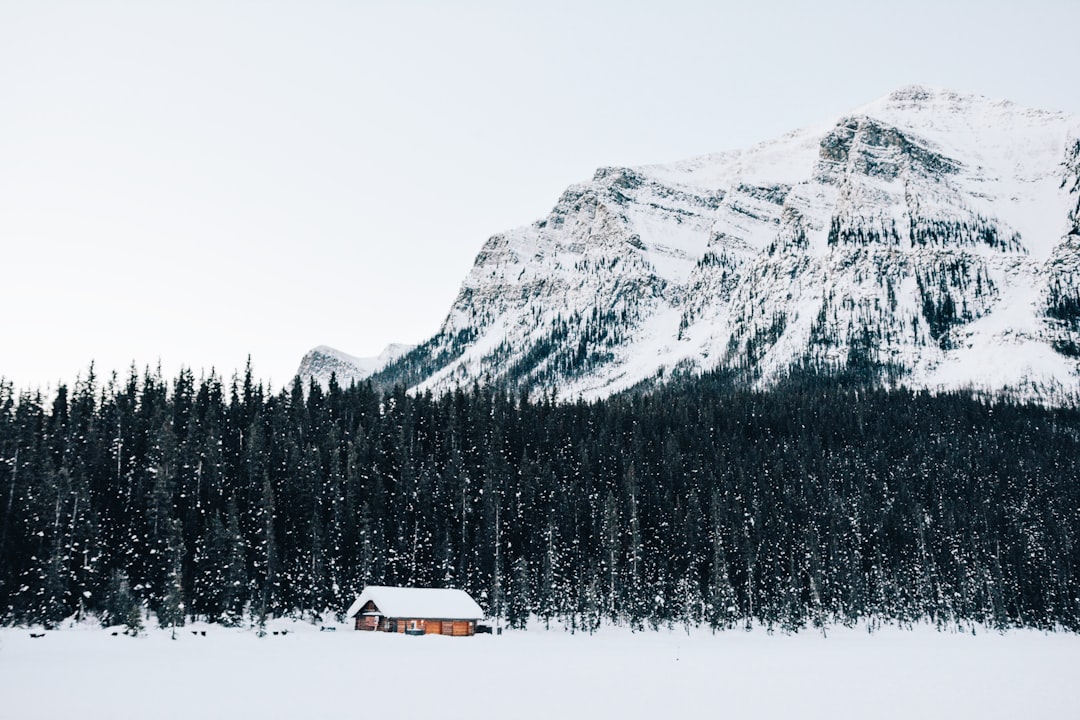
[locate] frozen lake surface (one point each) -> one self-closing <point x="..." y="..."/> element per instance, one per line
<point x="87" y="673"/>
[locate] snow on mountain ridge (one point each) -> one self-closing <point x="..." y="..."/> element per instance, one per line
<point x="920" y="234"/>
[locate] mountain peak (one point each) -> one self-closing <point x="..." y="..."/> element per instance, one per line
<point x="921" y="239"/>
<point x="924" y="95"/>
<point x="323" y="361"/>
<point x="936" y="102"/>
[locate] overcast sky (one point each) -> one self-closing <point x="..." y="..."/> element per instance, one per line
<point x="194" y="182"/>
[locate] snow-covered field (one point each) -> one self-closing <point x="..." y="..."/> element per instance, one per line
<point x="87" y="673"/>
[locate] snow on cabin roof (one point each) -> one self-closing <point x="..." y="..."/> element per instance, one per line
<point x="435" y="603"/>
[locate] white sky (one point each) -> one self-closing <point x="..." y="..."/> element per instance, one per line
<point x="194" y="182"/>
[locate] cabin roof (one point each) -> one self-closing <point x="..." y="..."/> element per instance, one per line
<point x="434" y="603"/>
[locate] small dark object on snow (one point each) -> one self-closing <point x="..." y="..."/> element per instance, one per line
<point x="203" y="633"/>
<point x="323" y="628"/>
<point x="115" y="633"/>
<point x="37" y="635"/>
<point x="483" y="629"/>
<point x="275" y="632"/>
<point x="284" y="632"/>
<point x="193" y="632"/>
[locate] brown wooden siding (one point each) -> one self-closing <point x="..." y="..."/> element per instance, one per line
<point x="455" y="628"/>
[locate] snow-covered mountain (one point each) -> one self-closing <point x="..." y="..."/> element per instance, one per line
<point x="930" y="237"/>
<point x="323" y="361"/>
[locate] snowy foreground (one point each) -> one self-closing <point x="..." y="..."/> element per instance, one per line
<point x="87" y="673"/>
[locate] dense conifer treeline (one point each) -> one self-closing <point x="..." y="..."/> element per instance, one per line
<point x="817" y="502"/>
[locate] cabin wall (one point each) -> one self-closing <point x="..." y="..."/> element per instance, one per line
<point x="455" y="628"/>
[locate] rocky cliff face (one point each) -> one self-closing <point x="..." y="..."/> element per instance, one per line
<point x="929" y="238"/>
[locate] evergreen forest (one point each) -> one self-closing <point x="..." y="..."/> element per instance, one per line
<point x="821" y="501"/>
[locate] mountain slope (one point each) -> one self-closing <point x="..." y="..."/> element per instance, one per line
<point x="930" y="238"/>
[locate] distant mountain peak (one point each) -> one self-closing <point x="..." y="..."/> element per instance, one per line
<point x="324" y="361"/>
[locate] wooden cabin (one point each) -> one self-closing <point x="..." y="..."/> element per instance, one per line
<point x="416" y="611"/>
